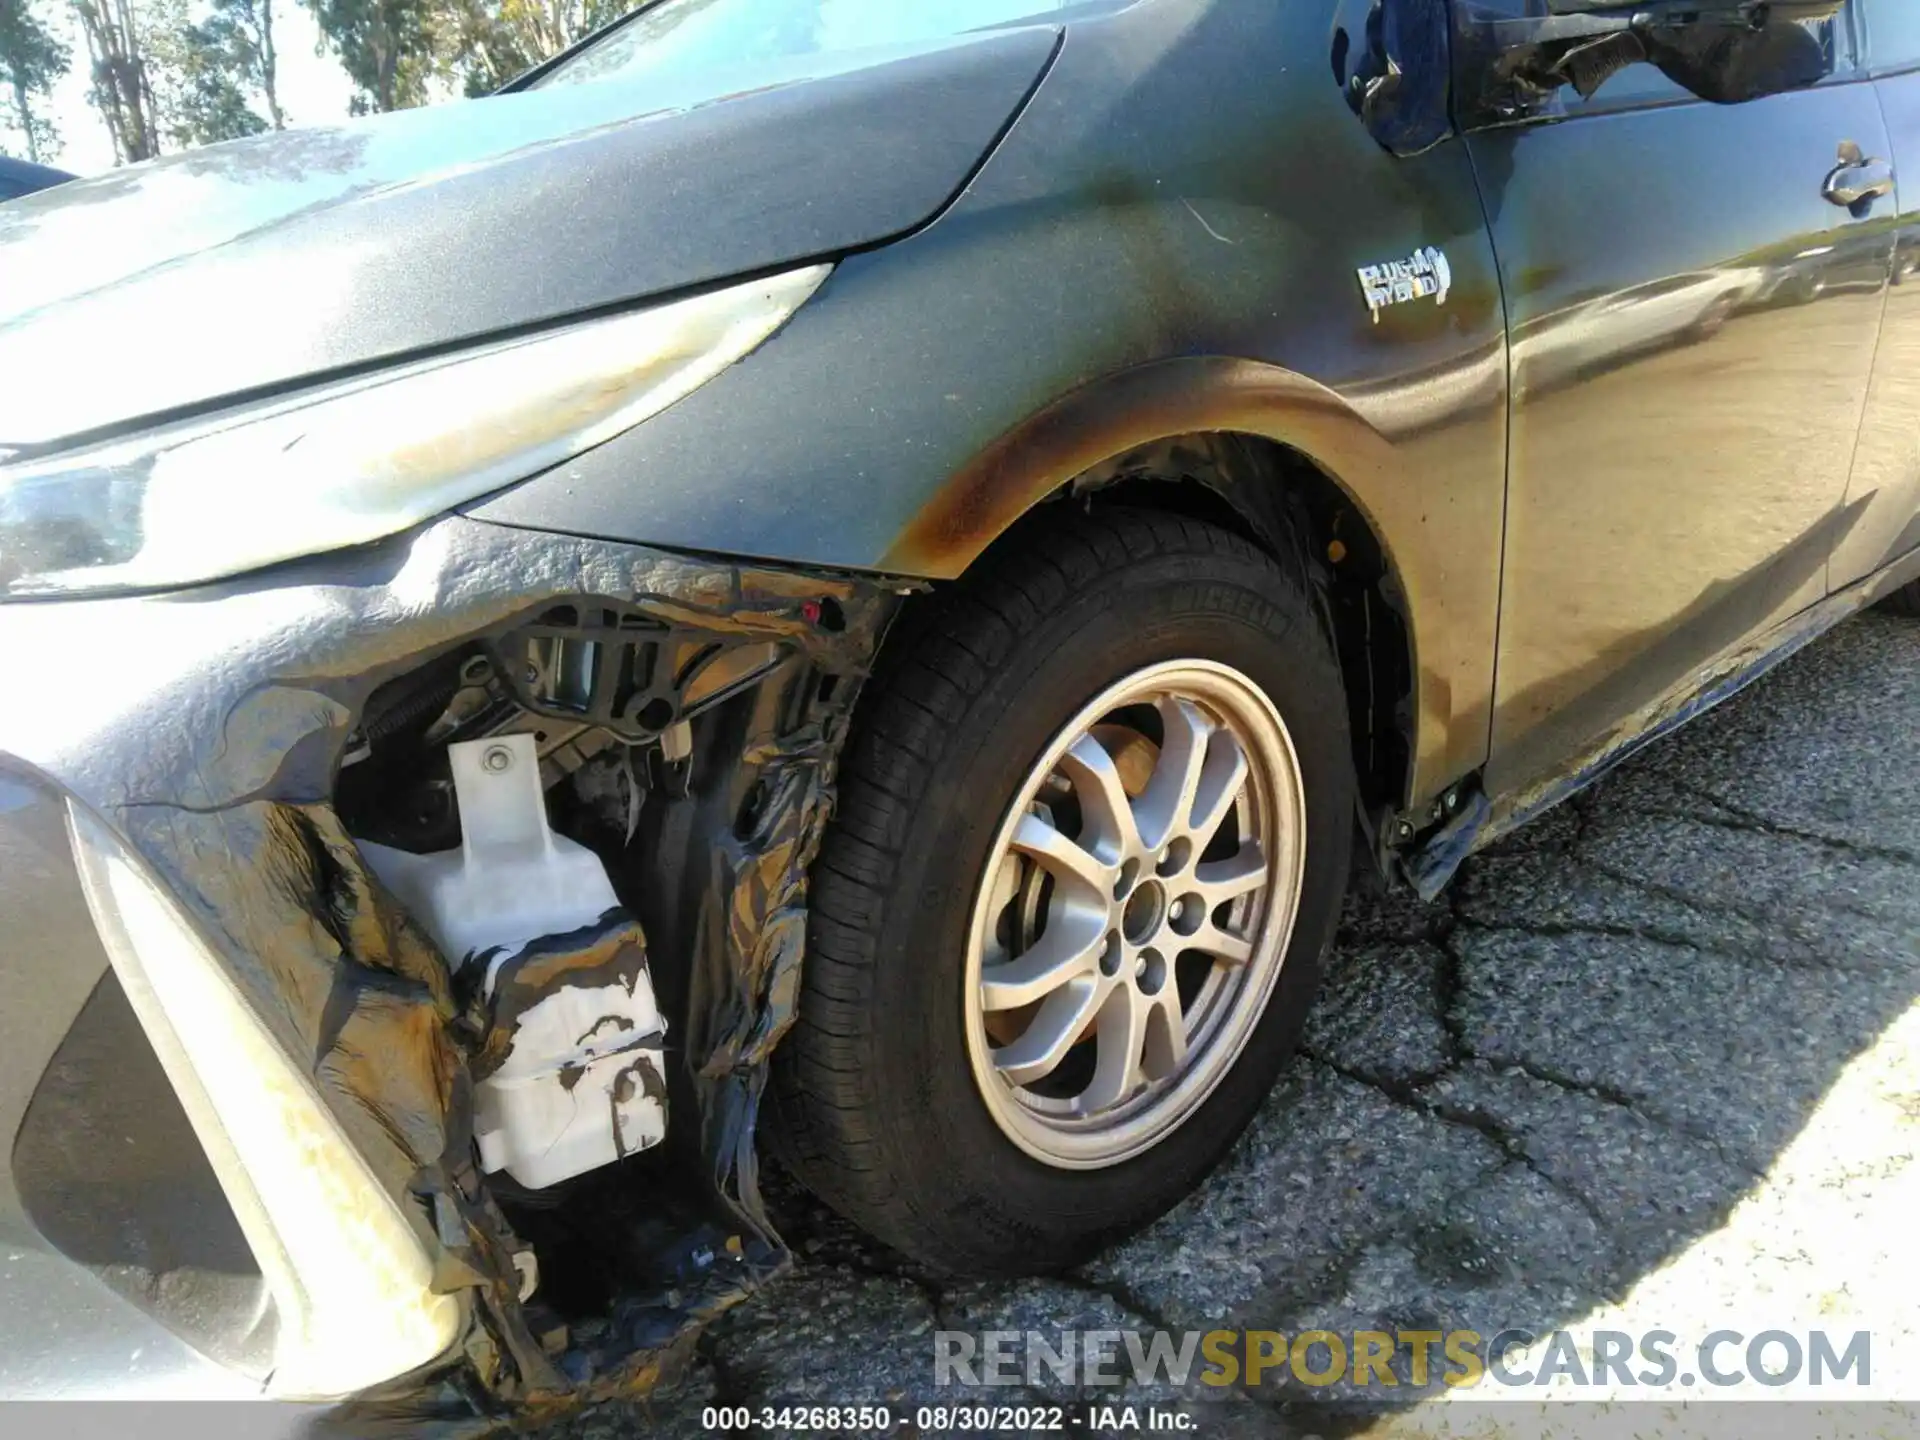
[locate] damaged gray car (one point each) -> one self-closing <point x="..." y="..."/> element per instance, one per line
<point x="849" y="581"/>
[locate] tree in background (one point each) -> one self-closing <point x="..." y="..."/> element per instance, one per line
<point x="245" y="29"/>
<point x="385" y="46"/>
<point x="161" y="78"/>
<point x="32" y="58"/>
<point x="122" y="90"/>
<point x="197" y="72"/>
<point x="485" y="43"/>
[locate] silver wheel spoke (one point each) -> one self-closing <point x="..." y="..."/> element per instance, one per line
<point x="1219" y="881"/>
<point x="1104" y="805"/>
<point x="1168" y="800"/>
<point x="1039" y="1051"/>
<point x="1067" y="951"/>
<point x="1062" y="858"/>
<point x="1210" y="939"/>
<point x="1120" y="1036"/>
<point x="1166" y="1047"/>
<point x="1221" y="779"/>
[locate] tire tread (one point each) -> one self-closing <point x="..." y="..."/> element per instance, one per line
<point x="922" y="687"/>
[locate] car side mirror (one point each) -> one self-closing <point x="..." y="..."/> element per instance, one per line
<point x="1391" y="59"/>
<point x="1725" y="51"/>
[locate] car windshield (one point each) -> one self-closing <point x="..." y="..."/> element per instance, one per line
<point x="678" y="37"/>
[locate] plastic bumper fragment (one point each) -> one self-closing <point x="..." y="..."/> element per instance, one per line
<point x="351" y="1283"/>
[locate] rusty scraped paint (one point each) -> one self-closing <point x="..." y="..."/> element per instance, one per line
<point x="1109" y="418"/>
<point x="225" y="790"/>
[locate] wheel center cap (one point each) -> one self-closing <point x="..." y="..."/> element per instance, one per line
<point x="1145" y="909"/>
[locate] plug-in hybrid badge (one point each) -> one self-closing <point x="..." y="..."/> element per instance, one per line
<point x="1426" y="274"/>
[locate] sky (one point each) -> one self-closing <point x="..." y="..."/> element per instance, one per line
<point x="313" y="88"/>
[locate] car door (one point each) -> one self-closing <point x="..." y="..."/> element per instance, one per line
<point x="1692" y="326"/>
<point x="1885" y="491"/>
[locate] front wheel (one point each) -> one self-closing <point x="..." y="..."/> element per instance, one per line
<point x="1090" y="848"/>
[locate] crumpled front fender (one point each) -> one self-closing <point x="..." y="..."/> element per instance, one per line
<point x="205" y="731"/>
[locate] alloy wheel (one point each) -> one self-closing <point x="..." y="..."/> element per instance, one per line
<point x="1134" y="913"/>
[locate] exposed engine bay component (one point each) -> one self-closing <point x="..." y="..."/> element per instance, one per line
<point x="305" y="717"/>
<point x="627" y="671"/>
<point x="400" y="747"/>
<point x="571" y="1071"/>
<point x="582" y="679"/>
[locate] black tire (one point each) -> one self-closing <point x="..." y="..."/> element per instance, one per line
<point x="1904" y="601"/>
<point x="875" y="1106"/>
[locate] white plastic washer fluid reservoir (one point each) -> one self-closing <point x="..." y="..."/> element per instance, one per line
<point x="581" y="1085"/>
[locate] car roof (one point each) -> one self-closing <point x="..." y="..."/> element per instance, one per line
<point x="22" y="177"/>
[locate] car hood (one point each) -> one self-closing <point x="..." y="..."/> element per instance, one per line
<point x="264" y="262"/>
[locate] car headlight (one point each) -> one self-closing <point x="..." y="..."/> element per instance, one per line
<point x="363" y="459"/>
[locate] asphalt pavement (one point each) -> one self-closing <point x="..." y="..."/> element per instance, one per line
<point x="1653" y="1062"/>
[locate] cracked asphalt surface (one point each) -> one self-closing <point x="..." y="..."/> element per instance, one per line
<point x="1651" y="1061"/>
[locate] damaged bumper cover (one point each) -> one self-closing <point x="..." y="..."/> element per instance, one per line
<point x="198" y="742"/>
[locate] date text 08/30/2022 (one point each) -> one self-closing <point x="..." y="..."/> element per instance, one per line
<point x="941" y="1419"/>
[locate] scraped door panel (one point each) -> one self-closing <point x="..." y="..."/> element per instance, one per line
<point x="1886" y="473"/>
<point x="1693" y="327"/>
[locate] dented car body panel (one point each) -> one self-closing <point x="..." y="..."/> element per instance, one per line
<point x="224" y="793"/>
<point x="1202" y="297"/>
<point x="1055" y="278"/>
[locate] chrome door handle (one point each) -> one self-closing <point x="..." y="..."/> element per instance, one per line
<point x="1857" y="182"/>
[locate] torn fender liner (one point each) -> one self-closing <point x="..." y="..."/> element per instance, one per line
<point x="213" y="750"/>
